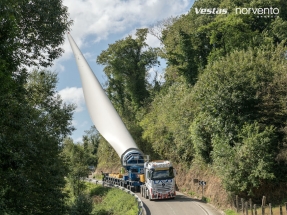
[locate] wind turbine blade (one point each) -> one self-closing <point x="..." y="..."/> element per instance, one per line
<point x="102" y="112"/>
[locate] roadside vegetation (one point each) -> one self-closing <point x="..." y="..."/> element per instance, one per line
<point x="221" y="102"/>
<point x="98" y="200"/>
<point x="220" y="105"/>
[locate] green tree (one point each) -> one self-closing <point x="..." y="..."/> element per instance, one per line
<point x="127" y="62"/>
<point x="165" y="126"/>
<point x="31" y="162"/>
<point x="91" y="141"/>
<point x="77" y="164"/>
<point x="250" y="162"/>
<point x="241" y="106"/>
<point x="31" y="31"/>
<point x="83" y="205"/>
<point x="193" y="39"/>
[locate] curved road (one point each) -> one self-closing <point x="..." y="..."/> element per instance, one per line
<point x="180" y="205"/>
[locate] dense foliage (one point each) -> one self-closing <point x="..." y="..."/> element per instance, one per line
<point x="33" y="119"/>
<point x="31" y="132"/>
<point x="223" y="102"/>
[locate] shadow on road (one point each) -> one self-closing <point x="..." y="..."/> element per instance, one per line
<point x="147" y="211"/>
<point x="179" y="198"/>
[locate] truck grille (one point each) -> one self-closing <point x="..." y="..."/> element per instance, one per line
<point x="163" y="187"/>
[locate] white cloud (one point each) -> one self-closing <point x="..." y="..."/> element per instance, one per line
<point x="74" y="123"/>
<point x="78" y="140"/>
<point x="156" y="71"/>
<point x="73" y="95"/>
<point x="152" y="41"/>
<point x="89" y="56"/>
<point x="84" y="124"/>
<point x="102" y="18"/>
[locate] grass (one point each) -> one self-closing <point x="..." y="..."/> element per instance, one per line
<point x="111" y="201"/>
<point x="230" y="212"/>
<point x="205" y="199"/>
<point x="191" y="193"/>
<point x="98" y="176"/>
<point x="116" y="202"/>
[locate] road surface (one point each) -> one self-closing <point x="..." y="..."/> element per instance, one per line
<point x="181" y="205"/>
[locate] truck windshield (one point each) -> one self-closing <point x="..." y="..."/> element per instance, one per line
<point x="162" y="174"/>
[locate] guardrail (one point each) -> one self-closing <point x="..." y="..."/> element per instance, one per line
<point x="140" y="203"/>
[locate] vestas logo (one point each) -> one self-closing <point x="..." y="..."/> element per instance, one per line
<point x="211" y="10"/>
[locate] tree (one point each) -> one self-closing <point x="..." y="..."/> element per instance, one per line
<point x="31" y="31"/>
<point x="83" y="205"/>
<point x="236" y="164"/>
<point x="91" y="141"/>
<point x="127" y="62"/>
<point x="78" y="168"/>
<point x="241" y="108"/>
<point x="194" y="40"/>
<point x="165" y="125"/>
<point x="32" y="169"/>
<point x="31" y="130"/>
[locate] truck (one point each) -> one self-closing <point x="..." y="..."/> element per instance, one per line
<point x="153" y="179"/>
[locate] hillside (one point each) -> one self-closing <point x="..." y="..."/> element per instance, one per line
<point x="221" y="104"/>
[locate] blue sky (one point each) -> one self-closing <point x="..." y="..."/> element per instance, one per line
<point x="98" y="23"/>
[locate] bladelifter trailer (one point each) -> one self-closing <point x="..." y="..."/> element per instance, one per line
<point x="155" y="179"/>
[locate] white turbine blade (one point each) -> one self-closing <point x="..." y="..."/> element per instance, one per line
<point x="102" y="112"/>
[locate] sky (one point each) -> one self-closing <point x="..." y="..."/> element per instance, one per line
<point x="98" y="23"/>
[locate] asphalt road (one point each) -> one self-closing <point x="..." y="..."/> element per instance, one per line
<point x="180" y="205"/>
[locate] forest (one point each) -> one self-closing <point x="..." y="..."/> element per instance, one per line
<point x="221" y="102"/>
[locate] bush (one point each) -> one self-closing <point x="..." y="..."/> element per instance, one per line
<point x="82" y="206"/>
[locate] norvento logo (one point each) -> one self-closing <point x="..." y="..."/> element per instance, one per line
<point x="258" y="11"/>
<point x="210" y="11"/>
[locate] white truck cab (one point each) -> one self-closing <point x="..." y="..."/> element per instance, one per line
<point x="159" y="180"/>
